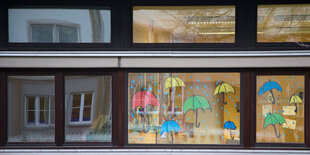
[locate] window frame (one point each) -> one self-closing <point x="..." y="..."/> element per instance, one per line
<point x="182" y="146"/>
<point x="81" y="122"/>
<point x="37" y="111"/>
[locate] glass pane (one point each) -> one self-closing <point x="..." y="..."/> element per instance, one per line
<point x="280" y="109"/>
<point x="187" y="108"/>
<point x="76" y="100"/>
<point x="283" y="23"/>
<point x="75" y="117"/>
<point x="35" y="127"/>
<point x="93" y="120"/>
<point x="41" y="33"/>
<point x="52" y="25"/>
<point x="186" y="24"/>
<point x="88" y="99"/>
<point x="67" y="34"/>
<point x="31" y="102"/>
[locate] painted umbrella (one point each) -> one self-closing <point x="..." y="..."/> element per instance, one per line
<point x="231" y="126"/>
<point x="194" y="103"/>
<point x="141" y="99"/>
<point x="173" y="81"/>
<point x="294" y="100"/>
<point x="268" y="86"/>
<point x="224" y="88"/>
<point x="169" y="127"/>
<point x="273" y="119"/>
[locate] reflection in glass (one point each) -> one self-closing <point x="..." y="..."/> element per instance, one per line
<point x="88" y="108"/>
<point x="186" y="24"/>
<point x="59" y="25"/>
<point x="283" y="23"/>
<point x="280" y="109"/>
<point x="184" y="108"/>
<point x="31" y="108"/>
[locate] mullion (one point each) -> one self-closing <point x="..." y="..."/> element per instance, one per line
<point x="59" y="109"/>
<point x="3" y="109"/>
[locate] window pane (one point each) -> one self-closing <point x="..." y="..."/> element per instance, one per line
<point x="67" y="34"/>
<point x="283" y="23"/>
<point x="76" y="100"/>
<point x="41" y="33"/>
<point x="280" y="109"/>
<point x="91" y="120"/>
<point x="29" y="123"/>
<point x="52" y="25"/>
<point x="184" y="108"/>
<point x="186" y="24"/>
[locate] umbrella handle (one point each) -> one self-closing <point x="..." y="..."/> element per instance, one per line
<point x="197" y="123"/>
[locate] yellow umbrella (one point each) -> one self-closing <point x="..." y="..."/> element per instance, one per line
<point x="294" y="100"/>
<point x="224" y="88"/>
<point x="172" y="81"/>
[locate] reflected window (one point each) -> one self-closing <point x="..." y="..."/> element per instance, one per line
<point x="88" y="108"/>
<point x="39" y="110"/>
<point x="47" y="33"/>
<point x="184" y="108"/>
<point x="280" y="109"/>
<point x="31" y="109"/>
<point x="186" y="24"/>
<point x="59" y="25"/>
<point x="283" y="23"/>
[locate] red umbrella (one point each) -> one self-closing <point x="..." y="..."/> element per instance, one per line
<point x="144" y="98"/>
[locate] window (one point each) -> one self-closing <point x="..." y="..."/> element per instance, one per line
<point x="39" y="111"/>
<point x="81" y="108"/>
<point x="31" y="111"/>
<point x="280" y="109"/>
<point x="56" y="25"/>
<point x="88" y="109"/>
<point x="45" y="33"/>
<point x="283" y="23"/>
<point x="186" y="24"/>
<point x="183" y="108"/>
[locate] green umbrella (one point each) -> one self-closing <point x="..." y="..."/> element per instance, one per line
<point x="194" y="103"/>
<point x="273" y="119"/>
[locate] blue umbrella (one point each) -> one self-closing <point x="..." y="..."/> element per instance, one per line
<point x="231" y="126"/>
<point x="268" y="86"/>
<point x="169" y="126"/>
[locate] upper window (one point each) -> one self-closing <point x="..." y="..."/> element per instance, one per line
<point x="185" y="24"/>
<point x="59" y="25"/>
<point x="283" y="23"/>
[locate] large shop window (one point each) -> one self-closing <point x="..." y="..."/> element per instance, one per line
<point x="185" y="24"/>
<point x="88" y="109"/>
<point x="283" y="23"/>
<point x="184" y="108"/>
<point x="53" y="25"/>
<point x="31" y="109"/>
<point x="280" y="109"/>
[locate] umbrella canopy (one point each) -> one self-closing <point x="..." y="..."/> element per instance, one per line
<point x="268" y="86"/>
<point x="294" y="100"/>
<point x="224" y="88"/>
<point x="230" y="125"/>
<point x="273" y="119"/>
<point x="172" y="81"/>
<point x="194" y="103"/>
<point x="169" y="126"/>
<point x="144" y="98"/>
